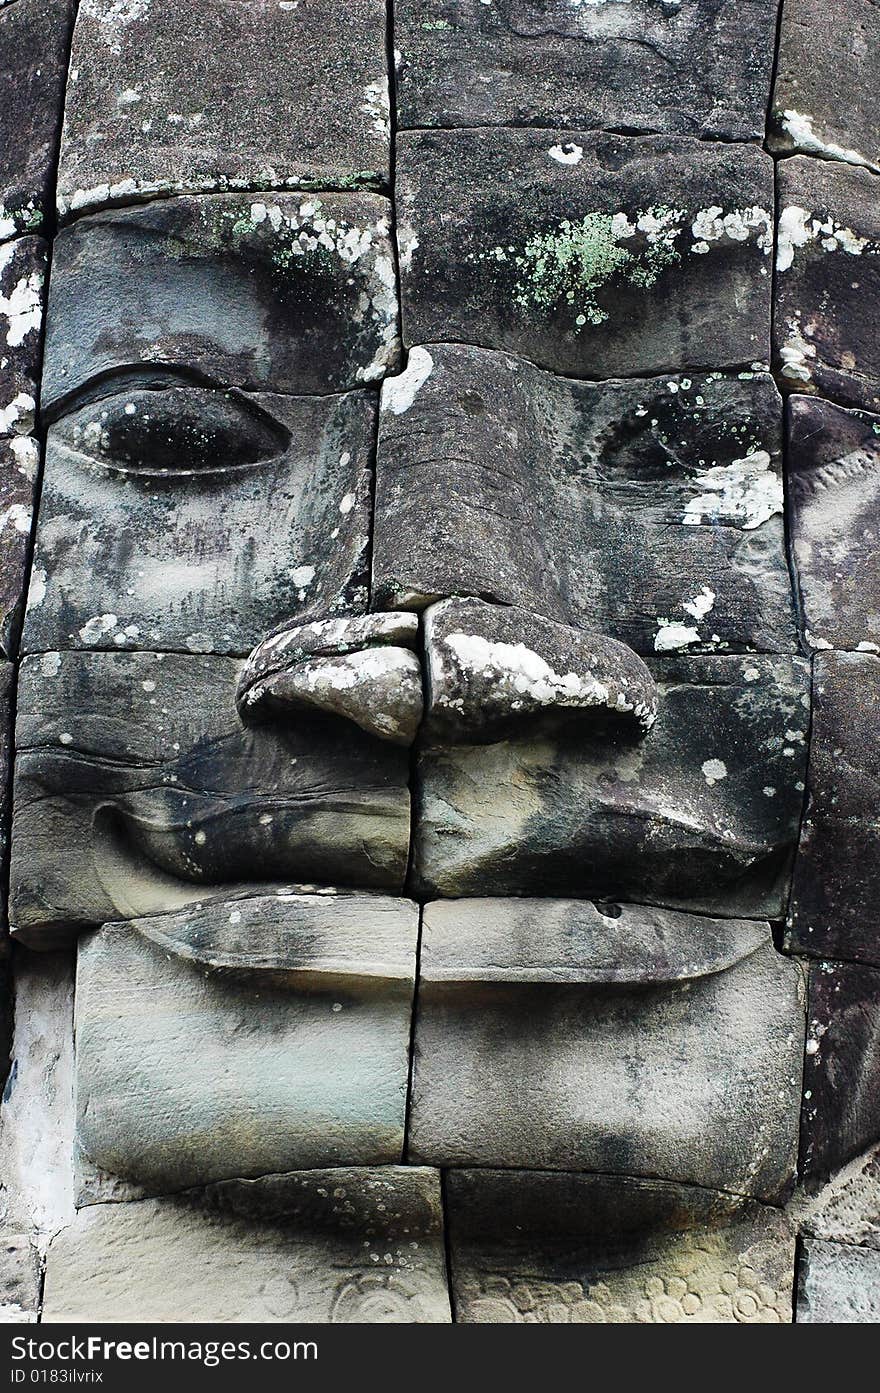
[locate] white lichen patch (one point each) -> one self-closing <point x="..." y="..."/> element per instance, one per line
<point x="714" y="770"/>
<point x="22" y="308"/>
<point x="798" y="227"/>
<point x="672" y="635"/>
<point x="797" y="353"/>
<point x="112" y="16"/>
<point x="19" y="416"/>
<point x="701" y="604"/>
<point x="377" y="107"/>
<point x="529" y="680"/>
<point x="567" y="266"/>
<point x="569" y="153"/>
<point x="745" y="493"/>
<point x="399" y="393"/>
<point x="17" y="518"/>
<point x="98" y="627"/>
<point x="799" y="129"/>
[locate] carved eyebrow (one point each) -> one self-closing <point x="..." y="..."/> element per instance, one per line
<point x="138" y="377"/>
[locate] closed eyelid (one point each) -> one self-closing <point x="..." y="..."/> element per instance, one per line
<point x="173" y="430"/>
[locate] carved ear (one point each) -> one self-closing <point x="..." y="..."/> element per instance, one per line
<point x="363" y="669"/>
<point x="490" y="666"/>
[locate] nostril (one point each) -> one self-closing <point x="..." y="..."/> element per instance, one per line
<point x="490" y="666"/>
<point x="362" y="669"/>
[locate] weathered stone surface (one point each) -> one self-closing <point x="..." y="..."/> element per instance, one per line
<point x="362" y="669"/>
<point x="22" y="282"/>
<point x="19" y="1278"/>
<point x="329" y="1246"/>
<point x="698" y="69"/>
<point x="34" y="42"/>
<point x="828" y="282"/>
<point x="841" y="1113"/>
<point x="838" y="1285"/>
<point x="551" y="1034"/>
<point x="285" y="294"/>
<point x="139" y="791"/>
<point x="596" y="1249"/>
<point x="847" y="1209"/>
<point x="212" y="94"/>
<point x="834" y="897"/>
<point x="648" y="510"/>
<point x="590" y="255"/>
<point x="827" y="74"/>
<point x="246" y="1037"/>
<point x="489" y="667"/>
<point x="36" y="1128"/>
<point x="703" y="812"/>
<point x="834" y="494"/>
<point x="7" y="677"/>
<point x="178" y="516"/>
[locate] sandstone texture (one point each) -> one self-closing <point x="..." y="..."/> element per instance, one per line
<point x="339" y="1246"/>
<point x="695" y="69"/>
<point x="591" y="255"/>
<point x="300" y="98"/>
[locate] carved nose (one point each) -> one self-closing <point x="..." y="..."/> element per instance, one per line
<point x="491" y="667"/>
<point x="363" y="669"/>
<point x="488" y="669"/>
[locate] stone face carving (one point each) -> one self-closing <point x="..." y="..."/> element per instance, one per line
<point x="553" y="1035"/>
<point x="147" y="115"/>
<point x="699" y="69"/>
<point x="703" y="812"/>
<point x="34" y="43"/>
<point x="231" y="291"/>
<point x="623" y="256"/>
<point x="833" y="461"/>
<point x="660" y="500"/>
<point x="838" y="1285"/>
<point x="346" y="1245"/>
<point x="828" y="279"/>
<point x="180" y="516"/>
<point x="139" y="791"/>
<point x="413" y="708"/>
<point x="831" y="912"/>
<point x="22" y="283"/>
<point x="841" y="1068"/>
<point x="827" y="71"/>
<point x="572" y="1249"/>
<point x="270" y="1033"/>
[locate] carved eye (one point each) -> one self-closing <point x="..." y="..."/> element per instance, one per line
<point x="178" y="430"/>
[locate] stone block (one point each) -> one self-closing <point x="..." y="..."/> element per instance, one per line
<point x="206" y="95"/>
<point x="833" y="467"/>
<point x="697" y="69"/>
<point x="591" y="255"/>
<point x="183" y="517"/>
<point x="841" y="1111"/>
<point x="831" y="914"/>
<point x="341" y="1246"/>
<point x="558" y="1035"/>
<point x="34" y="46"/>
<point x="245" y="1037"/>
<point x="838" y="1285"/>
<point x="532" y="1248"/>
<point x="287" y="293"/>
<point x="828" y="282"/>
<point x="703" y="812"/>
<point x="827" y="72"/>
